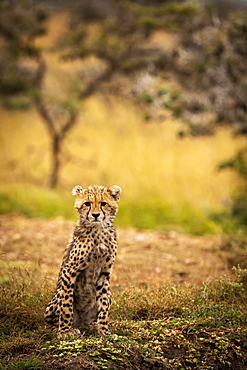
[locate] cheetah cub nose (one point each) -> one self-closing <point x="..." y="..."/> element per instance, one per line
<point x="95" y="215"/>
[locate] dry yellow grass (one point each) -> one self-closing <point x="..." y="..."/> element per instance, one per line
<point x="111" y="144"/>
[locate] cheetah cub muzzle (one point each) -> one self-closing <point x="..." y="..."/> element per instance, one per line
<point x="83" y="292"/>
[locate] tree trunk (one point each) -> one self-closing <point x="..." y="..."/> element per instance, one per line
<point x="55" y="152"/>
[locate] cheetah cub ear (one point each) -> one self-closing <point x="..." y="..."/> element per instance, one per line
<point x="115" y="192"/>
<point x="77" y="190"/>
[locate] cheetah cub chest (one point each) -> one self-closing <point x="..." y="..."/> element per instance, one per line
<point x="83" y="292"/>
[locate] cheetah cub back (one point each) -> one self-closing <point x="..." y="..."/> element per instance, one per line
<point x="83" y="292"/>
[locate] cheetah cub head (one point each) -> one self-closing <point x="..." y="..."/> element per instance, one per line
<point x="97" y="205"/>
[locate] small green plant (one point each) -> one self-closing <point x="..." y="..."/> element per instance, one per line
<point x="33" y="363"/>
<point x="235" y="249"/>
<point x="101" y="350"/>
<point x="241" y="275"/>
<point x="238" y="164"/>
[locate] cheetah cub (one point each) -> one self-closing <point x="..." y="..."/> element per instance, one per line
<point x="83" y="292"/>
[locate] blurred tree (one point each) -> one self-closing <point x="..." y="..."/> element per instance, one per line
<point x="23" y="73"/>
<point x="117" y="39"/>
<point x="24" y="69"/>
<point x="19" y="26"/>
<point x="109" y="38"/>
<point x="114" y="43"/>
<point x="208" y="64"/>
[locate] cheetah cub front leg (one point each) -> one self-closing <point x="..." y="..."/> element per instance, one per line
<point x="83" y="292"/>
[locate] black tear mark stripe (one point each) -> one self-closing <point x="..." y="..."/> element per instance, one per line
<point x="88" y="211"/>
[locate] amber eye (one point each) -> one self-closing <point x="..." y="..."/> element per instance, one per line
<point x="87" y="204"/>
<point x="103" y="204"/>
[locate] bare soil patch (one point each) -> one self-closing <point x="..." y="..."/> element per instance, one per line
<point x="144" y="257"/>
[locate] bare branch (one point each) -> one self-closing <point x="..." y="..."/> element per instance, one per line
<point x="88" y="91"/>
<point x="91" y="88"/>
<point x="69" y="124"/>
<point x="38" y="100"/>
